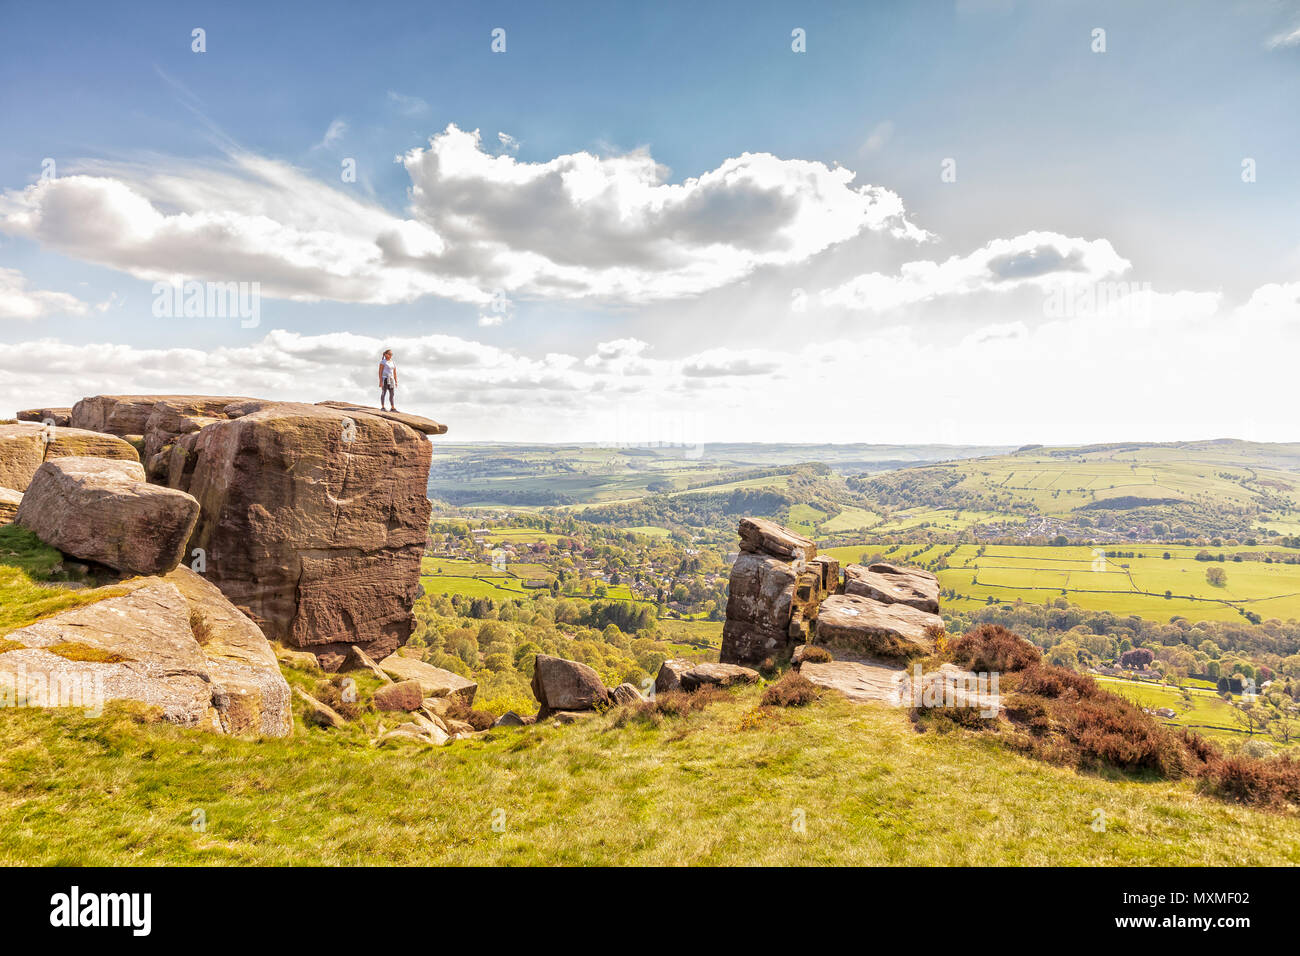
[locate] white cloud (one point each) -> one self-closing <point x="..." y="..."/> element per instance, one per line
<point x="1287" y="38"/>
<point x="19" y="302"/>
<point x="408" y="105"/>
<point x="1043" y="260"/>
<point x="576" y="226"/>
<point x="508" y="142"/>
<point x="335" y="132"/>
<point x="880" y="134"/>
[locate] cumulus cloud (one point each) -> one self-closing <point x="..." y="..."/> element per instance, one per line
<point x="576" y="226"/>
<point x="1044" y="260"/>
<point x="17" y="301"/>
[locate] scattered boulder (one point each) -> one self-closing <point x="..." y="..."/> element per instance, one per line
<point x="862" y="626"/>
<point x="670" y="675"/>
<point x="860" y="680"/>
<point x="358" y="659"/>
<point x="571" y="716"/>
<point x="561" y="685"/>
<point x="890" y="584"/>
<point x="950" y="686"/>
<point x="626" y="693"/>
<point x="302" y="660"/>
<point x="433" y="681"/>
<point x="420" y="733"/>
<point x="102" y="510"/>
<point x="717" y="675"/>
<point x="321" y="714"/>
<point x="511" y="719"/>
<point x="405" y="695"/>
<point x="9" y="502"/>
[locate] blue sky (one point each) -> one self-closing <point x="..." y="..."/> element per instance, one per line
<point x="614" y="267"/>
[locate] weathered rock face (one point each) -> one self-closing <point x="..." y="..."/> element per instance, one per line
<point x="863" y="626"/>
<point x="315" y="524"/>
<point x="129" y="414"/>
<point x="55" y="416"/>
<point x="760" y="536"/>
<point x="717" y="675"/>
<point x="890" y="584"/>
<point x="186" y="652"/>
<point x="9" y="502"/>
<point x="25" y="446"/>
<point x="102" y="510"/>
<point x="561" y="685"/>
<point x="248" y="691"/>
<point x="772" y="598"/>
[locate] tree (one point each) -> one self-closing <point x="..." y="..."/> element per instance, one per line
<point x="1217" y="577"/>
<point x="1137" y="658"/>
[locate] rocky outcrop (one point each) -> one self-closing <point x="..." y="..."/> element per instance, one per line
<point x="625" y="694"/>
<point x="123" y="415"/>
<point x="561" y="685"/>
<point x="890" y="584"/>
<point x="53" y="416"/>
<point x="772" y="598"/>
<point x="783" y="594"/>
<point x="102" y="510"/>
<point x="174" y="644"/>
<point x="862" y="626"/>
<point x="24" y="447"/>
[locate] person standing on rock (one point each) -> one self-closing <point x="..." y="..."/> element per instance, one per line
<point x="388" y="380"/>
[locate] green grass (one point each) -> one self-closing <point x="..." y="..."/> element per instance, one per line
<point x="26" y="568"/>
<point x="720" y="787"/>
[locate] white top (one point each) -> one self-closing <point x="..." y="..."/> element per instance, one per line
<point x="388" y="369"/>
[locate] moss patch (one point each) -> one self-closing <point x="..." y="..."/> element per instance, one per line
<point x="76" y="651"/>
<point x="7" y="645"/>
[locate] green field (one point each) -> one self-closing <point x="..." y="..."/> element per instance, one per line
<point x="1097" y="580"/>
<point x="1205" y="711"/>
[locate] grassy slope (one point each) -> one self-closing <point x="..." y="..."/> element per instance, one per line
<point x="718" y="787"/>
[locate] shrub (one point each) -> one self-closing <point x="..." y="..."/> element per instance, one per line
<point x="816" y="654"/>
<point x="330" y="693"/>
<point x="992" y="648"/>
<point x="1254" y="781"/>
<point x="1108" y="730"/>
<point x="792" y="690"/>
<point x="1045" y="680"/>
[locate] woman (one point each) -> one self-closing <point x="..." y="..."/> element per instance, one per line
<point x="388" y="380"/>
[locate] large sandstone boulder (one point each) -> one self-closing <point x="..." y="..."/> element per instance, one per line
<point x="249" y="693"/>
<point x="173" y="643"/>
<point x="314" y="520"/>
<point x="561" y="685"/>
<point x="9" y="502"/>
<point x="433" y="681"/>
<point x="24" y="446"/>
<point x="862" y="680"/>
<point x="102" y="510"/>
<point x="776" y="586"/>
<point x="890" y="584"/>
<point x="426" y="426"/>
<point x="863" y="626"/>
